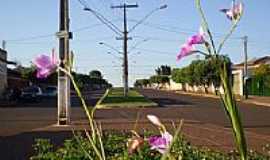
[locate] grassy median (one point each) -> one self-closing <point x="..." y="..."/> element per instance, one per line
<point x="114" y="98"/>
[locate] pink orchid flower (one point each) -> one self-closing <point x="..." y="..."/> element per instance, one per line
<point x="235" y="11"/>
<point x="161" y="143"/>
<point x="199" y="38"/>
<point x="188" y="48"/>
<point x="45" y="65"/>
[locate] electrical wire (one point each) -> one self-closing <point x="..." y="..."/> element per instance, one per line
<point x="49" y="35"/>
<point x="31" y="38"/>
<point x="173" y="29"/>
<point x="155" y="51"/>
<point x="101" y="18"/>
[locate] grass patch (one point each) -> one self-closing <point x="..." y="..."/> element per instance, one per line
<point x="115" y="98"/>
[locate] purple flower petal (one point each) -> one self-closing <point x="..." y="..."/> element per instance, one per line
<point x="168" y="137"/>
<point x="42" y="61"/>
<point x="160" y="143"/>
<point x="198" y="38"/>
<point x="234" y="12"/>
<point x="45" y="65"/>
<point x="186" y="50"/>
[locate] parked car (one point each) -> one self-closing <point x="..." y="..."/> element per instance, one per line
<point x="50" y="91"/>
<point x="32" y="93"/>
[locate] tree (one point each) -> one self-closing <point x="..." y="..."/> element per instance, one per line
<point x="95" y="74"/>
<point x="163" y="70"/>
<point x="92" y="81"/>
<point x="201" y="72"/>
<point x="262" y="70"/>
<point x="141" y="83"/>
<point x="29" y="73"/>
<point x="159" y="79"/>
<point x="262" y="74"/>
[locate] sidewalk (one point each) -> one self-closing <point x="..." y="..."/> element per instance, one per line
<point x="257" y="100"/>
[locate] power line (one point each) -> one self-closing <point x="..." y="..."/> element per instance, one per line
<point x="31" y="38"/>
<point x="53" y="34"/>
<point x="155" y="51"/>
<point x="158" y="39"/>
<point x="50" y="42"/>
<point x="101" y="18"/>
<point x="173" y="29"/>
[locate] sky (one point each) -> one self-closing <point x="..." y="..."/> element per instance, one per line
<point x="29" y="28"/>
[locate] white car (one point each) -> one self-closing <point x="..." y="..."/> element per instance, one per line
<point x="32" y="93"/>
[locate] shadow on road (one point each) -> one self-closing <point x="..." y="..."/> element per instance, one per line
<point x="20" y="147"/>
<point x="91" y="99"/>
<point x="167" y="102"/>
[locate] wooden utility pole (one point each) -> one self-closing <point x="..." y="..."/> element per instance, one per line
<point x="63" y="79"/>
<point x="125" y="46"/>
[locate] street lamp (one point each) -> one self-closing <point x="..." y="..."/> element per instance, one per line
<point x="163" y="6"/>
<point x="148" y="15"/>
<point x="105" y="21"/>
<point x="111" y="47"/>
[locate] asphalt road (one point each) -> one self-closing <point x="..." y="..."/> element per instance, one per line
<point x="210" y="110"/>
<point x="205" y="123"/>
<point x="22" y="123"/>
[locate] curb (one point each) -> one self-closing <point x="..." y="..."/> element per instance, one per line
<point x="217" y="97"/>
<point x="257" y="103"/>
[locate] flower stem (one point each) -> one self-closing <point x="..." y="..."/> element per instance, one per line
<point x="233" y="113"/>
<point x="227" y="36"/>
<point x="89" y="116"/>
<point x="205" y="25"/>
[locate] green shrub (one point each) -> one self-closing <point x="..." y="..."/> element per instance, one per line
<point x="115" y="145"/>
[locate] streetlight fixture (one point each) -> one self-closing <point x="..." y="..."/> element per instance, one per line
<point x="163" y="6"/>
<point x="109" y="46"/>
<point x="105" y="21"/>
<point x="148" y="15"/>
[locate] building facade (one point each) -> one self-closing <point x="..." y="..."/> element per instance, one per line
<point x="238" y="72"/>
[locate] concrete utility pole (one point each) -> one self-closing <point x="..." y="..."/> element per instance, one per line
<point x="63" y="79"/>
<point x="245" y="39"/>
<point x="4" y="45"/>
<point x="125" y="43"/>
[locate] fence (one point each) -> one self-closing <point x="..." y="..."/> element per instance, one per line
<point x="259" y="86"/>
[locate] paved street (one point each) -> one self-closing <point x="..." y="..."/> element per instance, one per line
<point x="209" y="110"/>
<point x="204" y="121"/>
